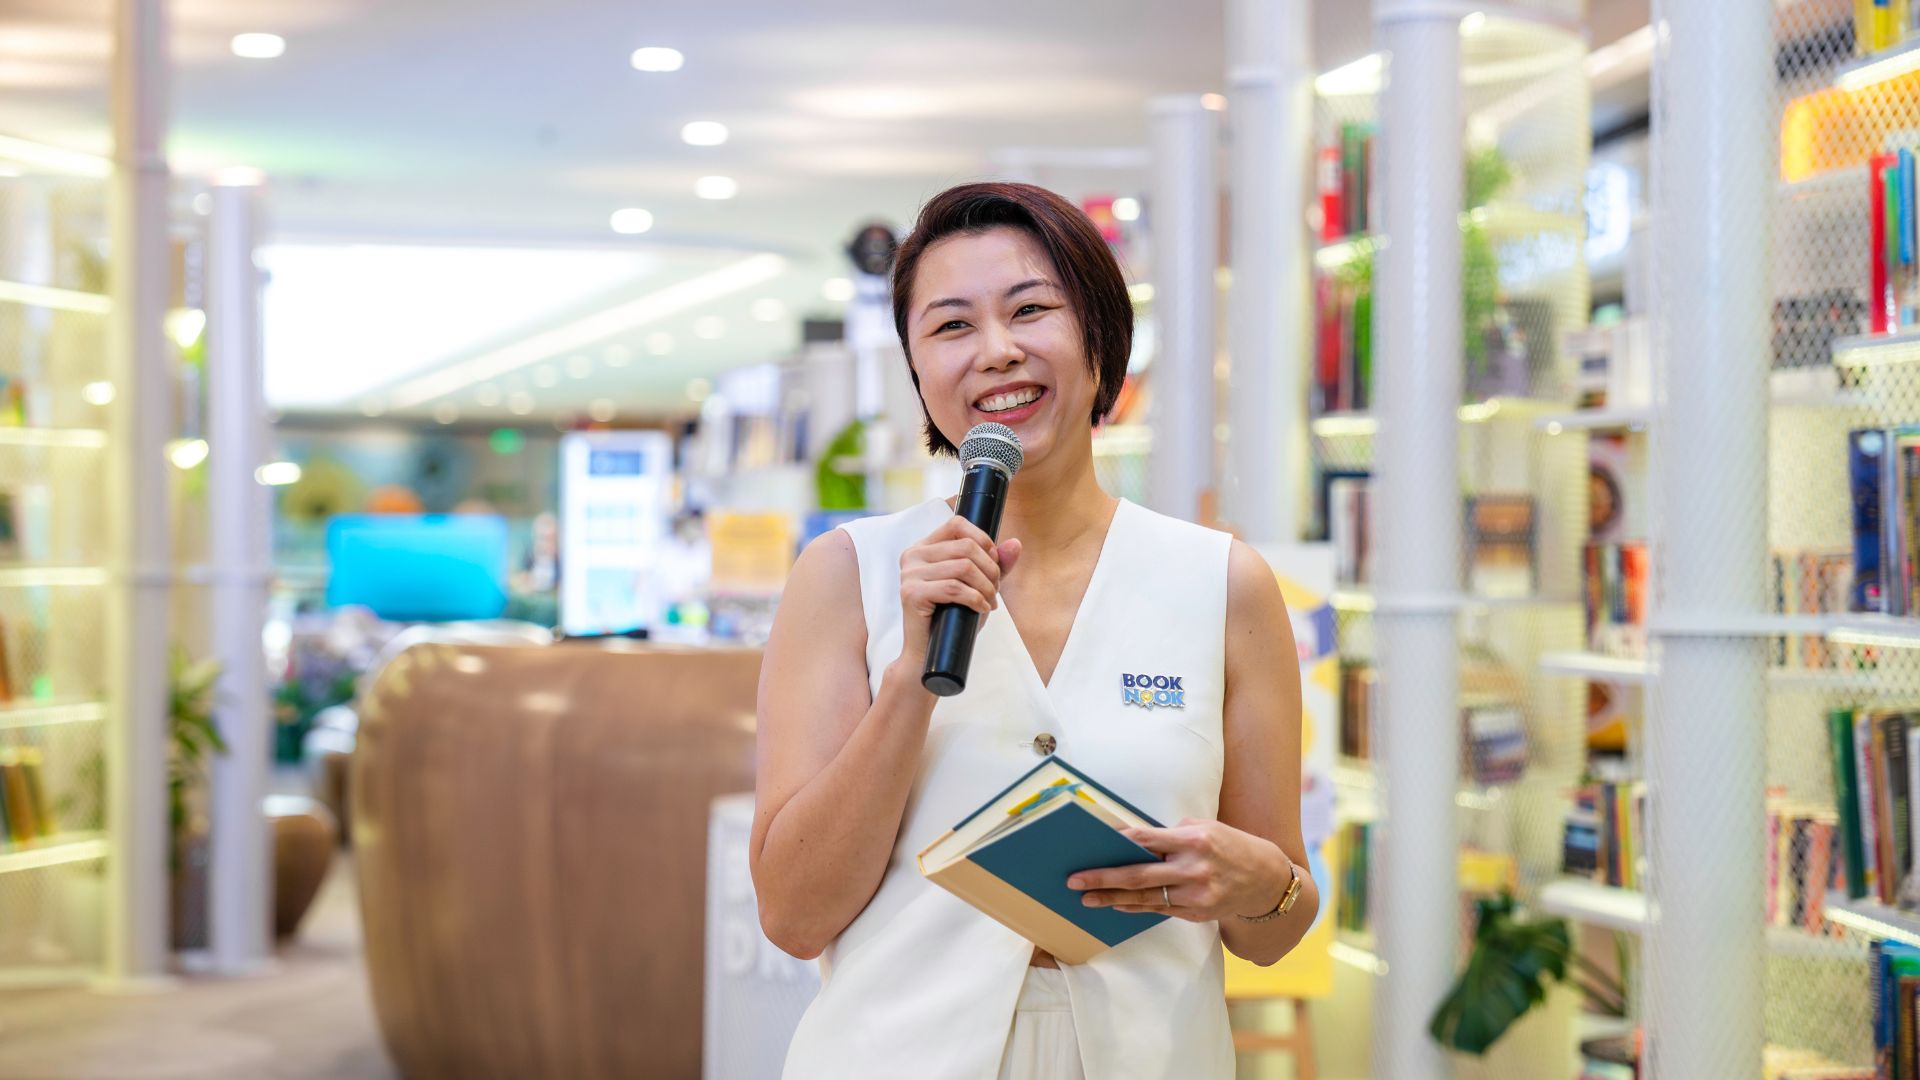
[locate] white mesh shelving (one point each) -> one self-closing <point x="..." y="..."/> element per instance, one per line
<point x="53" y="581"/>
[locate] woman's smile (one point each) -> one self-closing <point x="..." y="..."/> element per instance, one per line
<point x="1011" y="404"/>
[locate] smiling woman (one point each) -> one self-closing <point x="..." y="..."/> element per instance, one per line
<point x="1012" y="309"/>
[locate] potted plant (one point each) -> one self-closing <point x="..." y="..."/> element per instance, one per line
<point x="192" y="739"/>
<point x="1508" y="973"/>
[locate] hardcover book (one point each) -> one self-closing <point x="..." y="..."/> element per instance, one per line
<point x="1011" y="859"/>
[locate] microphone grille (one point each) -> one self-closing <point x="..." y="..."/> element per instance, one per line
<point x="992" y="443"/>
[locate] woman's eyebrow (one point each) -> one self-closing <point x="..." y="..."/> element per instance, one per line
<point x="962" y="302"/>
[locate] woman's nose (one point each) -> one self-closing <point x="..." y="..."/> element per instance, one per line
<point x="1000" y="349"/>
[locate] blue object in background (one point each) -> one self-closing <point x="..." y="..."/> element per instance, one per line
<point x="419" y="567"/>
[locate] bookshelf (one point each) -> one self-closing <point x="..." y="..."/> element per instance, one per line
<point x="54" y="585"/>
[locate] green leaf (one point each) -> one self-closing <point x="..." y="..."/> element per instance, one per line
<point x="1506" y="975"/>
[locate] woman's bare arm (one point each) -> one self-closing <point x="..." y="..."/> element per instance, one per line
<point x="1260" y="793"/>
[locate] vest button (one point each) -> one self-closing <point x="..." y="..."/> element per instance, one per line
<point x="1043" y="744"/>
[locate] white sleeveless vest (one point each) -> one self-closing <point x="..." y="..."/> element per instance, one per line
<point x="923" y="985"/>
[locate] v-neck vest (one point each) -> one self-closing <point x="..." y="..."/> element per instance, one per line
<point x="921" y="984"/>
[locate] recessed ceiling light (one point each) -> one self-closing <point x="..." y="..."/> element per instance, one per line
<point x="657" y="58"/>
<point x="704" y="133"/>
<point x="698" y="389"/>
<point x="579" y="365"/>
<point x="602" y="409"/>
<point x="837" y="289"/>
<point x="618" y="355"/>
<point x="631" y="221"/>
<point x="716" y="187"/>
<point x="258" y="46"/>
<point x="203" y="204"/>
<point x="446" y="412"/>
<point x="1474" y="22"/>
<point x="1213" y="102"/>
<point x="486" y="395"/>
<point x="97" y="393"/>
<point x="659" y="343"/>
<point x="768" y="310"/>
<point x="709" y="327"/>
<point x="520" y="404"/>
<point x="1126" y="208"/>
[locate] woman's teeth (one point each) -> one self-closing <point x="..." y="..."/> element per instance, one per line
<point x="1011" y="400"/>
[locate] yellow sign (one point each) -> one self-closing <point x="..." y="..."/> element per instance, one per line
<point x="1306" y="583"/>
<point x="752" y="553"/>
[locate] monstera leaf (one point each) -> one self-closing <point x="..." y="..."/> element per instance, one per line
<point x="1507" y="975"/>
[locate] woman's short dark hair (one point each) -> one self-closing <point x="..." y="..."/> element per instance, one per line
<point x="1089" y="275"/>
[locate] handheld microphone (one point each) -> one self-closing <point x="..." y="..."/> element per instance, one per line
<point x="990" y="454"/>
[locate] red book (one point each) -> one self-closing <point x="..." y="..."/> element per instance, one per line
<point x="1333" y="222"/>
<point x="1880" y="288"/>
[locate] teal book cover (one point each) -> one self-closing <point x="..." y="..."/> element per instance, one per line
<point x="1038" y="858"/>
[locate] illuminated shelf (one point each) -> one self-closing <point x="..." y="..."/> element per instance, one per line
<point x="1877" y="348"/>
<point x="1353" y="424"/>
<point x="54" y="851"/>
<point x="1501" y="221"/>
<point x="29" y="576"/>
<point x="1874" y="919"/>
<point x="1595" y="904"/>
<point x="27" y="714"/>
<point x="1880" y="66"/>
<point x="1355" y="949"/>
<point x="19" y="292"/>
<point x="1622" y="419"/>
<point x="1360" y="598"/>
<point x="78" y="438"/>
<point x="1588" y="665"/>
<point x="1356" y="792"/>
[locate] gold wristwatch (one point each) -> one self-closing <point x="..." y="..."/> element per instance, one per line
<point x="1287" y="899"/>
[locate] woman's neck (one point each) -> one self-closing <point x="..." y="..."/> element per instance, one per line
<point x="1056" y="503"/>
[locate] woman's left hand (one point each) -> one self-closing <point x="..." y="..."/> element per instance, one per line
<point x="1210" y="871"/>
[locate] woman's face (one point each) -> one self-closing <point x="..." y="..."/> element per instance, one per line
<point x="995" y="340"/>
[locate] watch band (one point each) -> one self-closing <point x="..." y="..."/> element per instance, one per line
<point x="1287" y="899"/>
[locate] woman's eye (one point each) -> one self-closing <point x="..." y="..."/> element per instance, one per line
<point x="1028" y="309"/>
<point x="944" y="327"/>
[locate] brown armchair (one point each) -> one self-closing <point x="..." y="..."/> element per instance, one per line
<point x="530" y="828"/>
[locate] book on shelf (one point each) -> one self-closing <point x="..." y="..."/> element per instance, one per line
<point x="1501" y="536"/>
<point x="1808" y="582"/>
<point x="1874" y="755"/>
<point x="1344" y="180"/>
<point x="1894" y="968"/>
<point x="1496" y="743"/>
<point x="1881" y="24"/>
<point x="1804" y="863"/>
<point x="1347" y="510"/>
<point x="26" y="813"/>
<point x="1883" y="472"/>
<point x="1355" y="845"/>
<point x="1602" y="837"/>
<point x="1616" y="580"/>
<point x="1358" y="684"/>
<point x="1012" y="857"/>
<point x="1343" y="351"/>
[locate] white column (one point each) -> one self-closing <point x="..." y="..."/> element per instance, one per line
<point x="137" y="908"/>
<point x="1417" y="387"/>
<point x="1714" y="167"/>
<point x="1185" y="211"/>
<point x="240" y="876"/>
<point x="1270" y="156"/>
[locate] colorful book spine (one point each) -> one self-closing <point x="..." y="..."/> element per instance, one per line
<point x="1878" y="288"/>
<point x="1846" y="800"/>
<point x="1866" y="456"/>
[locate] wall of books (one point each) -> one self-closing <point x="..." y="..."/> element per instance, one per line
<point x="1523" y="489"/>
<point x="53" y="398"/>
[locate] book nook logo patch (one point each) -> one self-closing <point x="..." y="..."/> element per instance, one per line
<point x="1153" y="691"/>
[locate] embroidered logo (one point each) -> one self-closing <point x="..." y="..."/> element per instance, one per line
<point x="1153" y="691"/>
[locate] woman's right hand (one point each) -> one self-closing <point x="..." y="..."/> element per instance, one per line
<point x="957" y="563"/>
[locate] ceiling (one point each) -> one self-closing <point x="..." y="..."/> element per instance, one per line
<point x="473" y="126"/>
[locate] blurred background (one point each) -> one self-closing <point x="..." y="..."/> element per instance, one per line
<point x="409" y="414"/>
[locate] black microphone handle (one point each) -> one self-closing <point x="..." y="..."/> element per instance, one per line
<point x="950" y="642"/>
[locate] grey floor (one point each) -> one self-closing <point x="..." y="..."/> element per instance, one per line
<point x="308" y="1018"/>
